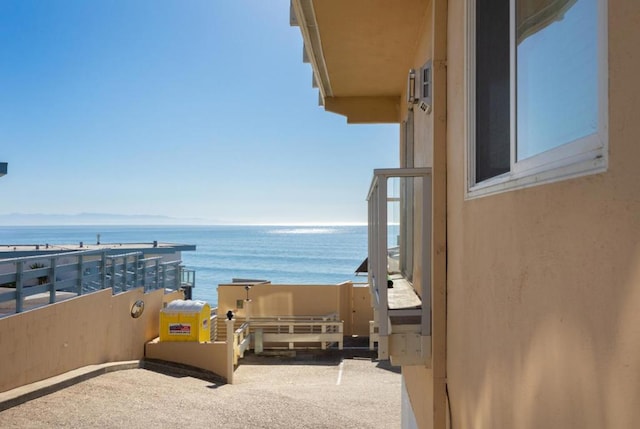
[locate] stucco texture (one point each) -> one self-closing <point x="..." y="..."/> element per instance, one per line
<point x="352" y="304"/>
<point x="91" y="329"/>
<point x="543" y="283"/>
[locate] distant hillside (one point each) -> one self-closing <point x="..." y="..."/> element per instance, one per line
<point x="18" y="219"/>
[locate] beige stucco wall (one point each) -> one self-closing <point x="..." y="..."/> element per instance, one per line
<point x="281" y="300"/>
<point x="86" y="330"/>
<point x="423" y="122"/>
<point x="362" y="310"/>
<point x="543" y="283"/>
<point x="419" y="384"/>
<point x="209" y="356"/>
<point x="300" y="300"/>
<point x="419" y="380"/>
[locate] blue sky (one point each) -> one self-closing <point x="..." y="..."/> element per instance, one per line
<point x="188" y="109"/>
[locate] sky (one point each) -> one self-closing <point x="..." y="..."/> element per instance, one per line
<point x="202" y="111"/>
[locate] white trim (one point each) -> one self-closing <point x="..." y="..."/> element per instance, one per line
<point x="312" y="45"/>
<point x="513" y="86"/>
<point x="584" y="156"/>
<point x="470" y="97"/>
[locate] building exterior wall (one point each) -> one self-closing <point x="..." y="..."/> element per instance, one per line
<point x="543" y="297"/>
<point x="419" y="380"/>
<point x="91" y="329"/>
<point x="423" y="123"/>
<point x="281" y="300"/>
<point x="542" y="303"/>
<point x="268" y="300"/>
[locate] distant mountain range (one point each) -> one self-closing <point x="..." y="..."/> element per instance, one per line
<point x="31" y="219"/>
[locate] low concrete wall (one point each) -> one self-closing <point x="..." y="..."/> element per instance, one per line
<point x="209" y="356"/>
<point x="86" y="330"/>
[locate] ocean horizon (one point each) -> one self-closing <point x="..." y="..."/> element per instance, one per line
<point x="116" y="219"/>
<point x="287" y="253"/>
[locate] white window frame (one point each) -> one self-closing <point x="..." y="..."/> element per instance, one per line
<point x="584" y="156"/>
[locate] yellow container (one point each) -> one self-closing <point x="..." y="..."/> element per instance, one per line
<point x="185" y="320"/>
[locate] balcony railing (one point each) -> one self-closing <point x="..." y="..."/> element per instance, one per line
<point x="34" y="281"/>
<point x="400" y="263"/>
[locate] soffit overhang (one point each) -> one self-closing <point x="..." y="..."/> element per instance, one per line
<point x="360" y="52"/>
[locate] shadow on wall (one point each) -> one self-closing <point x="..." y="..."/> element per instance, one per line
<point x="559" y="330"/>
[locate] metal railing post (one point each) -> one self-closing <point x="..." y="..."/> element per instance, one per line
<point x="103" y="272"/>
<point x="136" y="261"/>
<point x="164" y="276"/>
<point x="157" y="282"/>
<point x="80" y="274"/>
<point x="19" y="271"/>
<point x="144" y="275"/>
<point x="124" y="272"/>
<point x="178" y="275"/>
<point x="52" y="280"/>
<point x="113" y="275"/>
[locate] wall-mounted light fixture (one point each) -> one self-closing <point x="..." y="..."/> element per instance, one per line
<point x="247" y="288"/>
<point x="137" y="309"/>
<point x="411" y="89"/>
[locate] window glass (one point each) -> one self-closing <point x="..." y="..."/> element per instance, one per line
<point x="394" y="225"/>
<point x="557" y="73"/>
<point x="492" y="89"/>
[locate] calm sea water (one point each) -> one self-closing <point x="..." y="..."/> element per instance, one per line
<point x="281" y="254"/>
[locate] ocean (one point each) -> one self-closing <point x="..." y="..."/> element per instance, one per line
<point x="280" y="254"/>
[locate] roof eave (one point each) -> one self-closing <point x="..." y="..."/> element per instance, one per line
<point x="303" y="16"/>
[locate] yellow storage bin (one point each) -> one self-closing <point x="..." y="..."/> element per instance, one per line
<point x="185" y="320"/>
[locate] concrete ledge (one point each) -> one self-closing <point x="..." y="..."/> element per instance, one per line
<point x="181" y="370"/>
<point x="22" y="394"/>
<point x="210" y="357"/>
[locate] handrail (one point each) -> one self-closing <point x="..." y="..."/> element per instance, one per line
<point x="325" y="329"/>
<point x="395" y="172"/>
<point x="48" y="256"/>
<point x="213" y="324"/>
<point x="123" y="255"/>
<point x="241" y="341"/>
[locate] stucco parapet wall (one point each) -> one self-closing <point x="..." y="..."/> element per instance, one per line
<point x="365" y="110"/>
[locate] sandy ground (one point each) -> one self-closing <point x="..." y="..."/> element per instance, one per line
<point x="268" y="393"/>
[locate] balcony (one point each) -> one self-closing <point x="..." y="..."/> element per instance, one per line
<point x="400" y="263"/>
<point x="34" y="281"/>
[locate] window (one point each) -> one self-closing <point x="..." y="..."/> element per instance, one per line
<point x="538" y="92"/>
<point x="425" y="78"/>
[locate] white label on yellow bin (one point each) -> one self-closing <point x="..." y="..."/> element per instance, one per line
<point x="179" y="329"/>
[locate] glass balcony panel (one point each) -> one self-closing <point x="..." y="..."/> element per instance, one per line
<point x="399" y="247"/>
